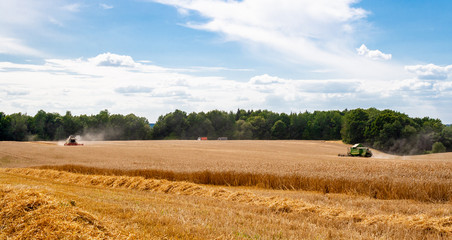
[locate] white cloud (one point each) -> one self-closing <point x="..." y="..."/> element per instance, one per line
<point x="16" y="47"/>
<point x="265" y="80"/>
<point x="413" y="85"/>
<point x="313" y="34"/>
<point x="105" y="6"/>
<point x="113" y="60"/>
<point x="430" y="71"/>
<point x="133" y="89"/>
<point x="29" y="14"/>
<point x="26" y="21"/>
<point x="373" y="54"/>
<point x="21" y="13"/>
<point x="55" y="21"/>
<point x="85" y="87"/>
<point x="16" y="92"/>
<point x="74" y="7"/>
<point x="214" y="69"/>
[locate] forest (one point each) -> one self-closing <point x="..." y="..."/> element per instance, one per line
<point x="385" y="130"/>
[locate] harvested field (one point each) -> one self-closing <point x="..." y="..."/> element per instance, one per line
<point x="299" y="165"/>
<point x="147" y="209"/>
<point x="166" y="190"/>
<point x="28" y="213"/>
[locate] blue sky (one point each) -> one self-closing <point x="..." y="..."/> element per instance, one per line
<point x="151" y="57"/>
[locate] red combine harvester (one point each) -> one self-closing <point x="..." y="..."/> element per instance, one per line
<point x="72" y="141"/>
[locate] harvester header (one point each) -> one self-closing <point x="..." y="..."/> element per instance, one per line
<point x="72" y="141"/>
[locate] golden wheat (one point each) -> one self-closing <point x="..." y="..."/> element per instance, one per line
<point x="381" y="188"/>
<point x="31" y="214"/>
<point x="298" y="165"/>
<point x="164" y="177"/>
<point x="419" y="221"/>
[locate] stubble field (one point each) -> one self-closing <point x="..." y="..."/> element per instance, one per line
<point x="234" y="189"/>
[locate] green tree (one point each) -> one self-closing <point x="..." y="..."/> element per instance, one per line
<point x="355" y="124"/>
<point x="101" y="119"/>
<point x="298" y="124"/>
<point x="244" y="130"/>
<point x="222" y="122"/>
<point x="170" y="126"/>
<point x="52" y="123"/>
<point x="5" y="127"/>
<point x="38" y="125"/>
<point x="259" y="127"/>
<point x="199" y="126"/>
<point x="446" y="137"/>
<point x="18" y="126"/>
<point x="71" y="124"/>
<point x="279" y="130"/>
<point x="136" y="128"/>
<point x="241" y="114"/>
<point x="386" y="128"/>
<point x="438" y="147"/>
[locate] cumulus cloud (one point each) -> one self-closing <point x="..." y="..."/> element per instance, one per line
<point x="414" y="85"/>
<point x="150" y="90"/>
<point x="17" y="92"/>
<point x="113" y="60"/>
<point x="265" y="80"/>
<point x="430" y="71"/>
<point x="373" y="54"/>
<point x="133" y="89"/>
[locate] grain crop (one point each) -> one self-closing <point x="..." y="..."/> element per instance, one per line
<point x="261" y="190"/>
<point x="296" y="165"/>
<point x="376" y="188"/>
<point x="30" y="214"/>
<point x="421" y="223"/>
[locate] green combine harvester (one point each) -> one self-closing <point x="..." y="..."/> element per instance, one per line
<point x="357" y="150"/>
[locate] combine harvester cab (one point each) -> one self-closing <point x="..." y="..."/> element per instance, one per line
<point x="72" y="141"/>
<point x="358" y="150"/>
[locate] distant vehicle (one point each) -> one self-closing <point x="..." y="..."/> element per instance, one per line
<point x="72" y="141"/>
<point x="357" y="150"/>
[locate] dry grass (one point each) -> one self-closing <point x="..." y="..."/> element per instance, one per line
<point x="334" y="216"/>
<point x="30" y="214"/>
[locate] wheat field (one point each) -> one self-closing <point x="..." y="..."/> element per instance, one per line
<point x="261" y="190"/>
<point x="296" y="165"/>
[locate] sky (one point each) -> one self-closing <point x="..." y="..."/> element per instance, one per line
<point x="151" y="57"/>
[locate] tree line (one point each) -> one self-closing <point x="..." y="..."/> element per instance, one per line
<point x="53" y="126"/>
<point x="386" y="130"/>
<point x="260" y="124"/>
